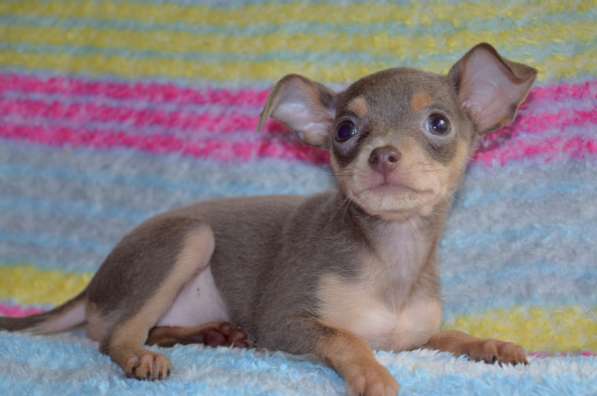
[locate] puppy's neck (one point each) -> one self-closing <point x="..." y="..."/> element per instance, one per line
<point x="401" y="253"/>
<point x="379" y="233"/>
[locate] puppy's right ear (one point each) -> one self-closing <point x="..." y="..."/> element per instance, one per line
<point x="305" y="106"/>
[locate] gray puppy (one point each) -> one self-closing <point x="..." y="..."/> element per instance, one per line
<point x="332" y="275"/>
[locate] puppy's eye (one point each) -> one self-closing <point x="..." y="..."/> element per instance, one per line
<point x="346" y="130"/>
<point x="438" y="125"/>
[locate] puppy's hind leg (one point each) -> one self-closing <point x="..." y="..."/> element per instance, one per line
<point x="212" y="334"/>
<point x="139" y="282"/>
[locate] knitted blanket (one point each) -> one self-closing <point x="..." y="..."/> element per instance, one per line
<point x="113" y="111"/>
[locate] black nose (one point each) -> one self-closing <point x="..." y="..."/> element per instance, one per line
<point x="384" y="159"/>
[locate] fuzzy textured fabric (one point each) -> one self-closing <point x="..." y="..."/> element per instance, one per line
<point x="112" y="111"/>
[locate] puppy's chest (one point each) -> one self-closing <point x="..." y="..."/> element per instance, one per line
<point x="382" y="304"/>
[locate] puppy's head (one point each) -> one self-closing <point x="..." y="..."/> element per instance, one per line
<point x="400" y="139"/>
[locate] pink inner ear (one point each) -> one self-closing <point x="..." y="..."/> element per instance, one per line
<point x="303" y="118"/>
<point x="488" y="90"/>
<point x="300" y="109"/>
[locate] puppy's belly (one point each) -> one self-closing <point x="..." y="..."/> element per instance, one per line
<point x="198" y="303"/>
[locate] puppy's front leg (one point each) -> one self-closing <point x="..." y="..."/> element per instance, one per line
<point x="350" y="356"/>
<point x="346" y="353"/>
<point x="487" y="350"/>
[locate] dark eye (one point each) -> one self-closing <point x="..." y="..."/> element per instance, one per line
<point x="438" y="124"/>
<point x="346" y="130"/>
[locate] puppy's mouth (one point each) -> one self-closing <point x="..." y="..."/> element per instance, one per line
<point x="389" y="188"/>
<point x="392" y="184"/>
<point x="391" y="197"/>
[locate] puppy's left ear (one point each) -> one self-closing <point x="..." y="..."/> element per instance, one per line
<point x="305" y="106"/>
<point x="490" y="88"/>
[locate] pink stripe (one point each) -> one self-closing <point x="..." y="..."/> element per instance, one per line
<point x="160" y="144"/>
<point x="90" y="112"/>
<point x="233" y="122"/>
<point x="549" y="149"/>
<point x="171" y="93"/>
<point x="581" y="91"/>
<point x="539" y="123"/>
<point x="575" y="147"/>
<point x="148" y="92"/>
<point x="16" y="311"/>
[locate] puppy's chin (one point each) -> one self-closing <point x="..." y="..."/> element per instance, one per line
<point x="393" y="202"/>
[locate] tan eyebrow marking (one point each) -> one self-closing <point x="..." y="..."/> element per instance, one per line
<point x="358" y="106"/>
<point x="420" y="100"/>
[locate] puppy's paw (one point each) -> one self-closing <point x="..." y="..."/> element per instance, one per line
<point x="147" y="365"/>
<point x="370" y="379"/>
<point x="492" y="351"/>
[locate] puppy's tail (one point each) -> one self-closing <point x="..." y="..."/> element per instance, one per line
<point x="64" y="317"/>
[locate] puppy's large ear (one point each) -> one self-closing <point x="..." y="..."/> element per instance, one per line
<point x="490" y="88"/>
<point x="305" y="106"/>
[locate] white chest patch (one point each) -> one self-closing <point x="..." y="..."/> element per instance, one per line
<point x="356" y="307"/>
<point x="381" y="305"/>
<point x="198" y="303"/>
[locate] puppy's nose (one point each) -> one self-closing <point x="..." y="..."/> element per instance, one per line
<point x="384" y="159"/>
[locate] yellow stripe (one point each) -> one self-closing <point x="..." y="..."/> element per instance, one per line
<point x="567" y="329"/>
<point x="417" y="13"/>
<point x="29" y="285"/>
<point x="401" y="47"/>
<point x="537" y="329"/>
<point x="554" y="67"/>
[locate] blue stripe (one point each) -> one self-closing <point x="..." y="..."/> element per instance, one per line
<point x="252" y="183"/>
<point x="581" y="235"/>
<point x="325" y="58"/>
<point x="580" y="231"/>
<point x="277" y="183"/>
<point x="52" y="242"/>
<point x="199" y="83"/>
<point x="477" y="198"/>
<point x="514" y="271"/>
<point x="71" y="208"/>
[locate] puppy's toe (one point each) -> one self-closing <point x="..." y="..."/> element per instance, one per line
<point x="495" y="351"/>
<point x="148" y="366"/>
<point x="161" y="367"/>
<point x="482" y="351"/>
<point x="131" y="365"/>
<point x="371" y="379"/>
<point x="214" y="338"/>
<point x="511" y="353"/>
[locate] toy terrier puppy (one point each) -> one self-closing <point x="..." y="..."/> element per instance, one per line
<point x="333" y="275"/>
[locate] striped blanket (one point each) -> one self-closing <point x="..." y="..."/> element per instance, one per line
<point x="112" y="111"/>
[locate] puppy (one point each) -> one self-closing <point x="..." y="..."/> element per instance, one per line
<point x="333" y="275"/>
